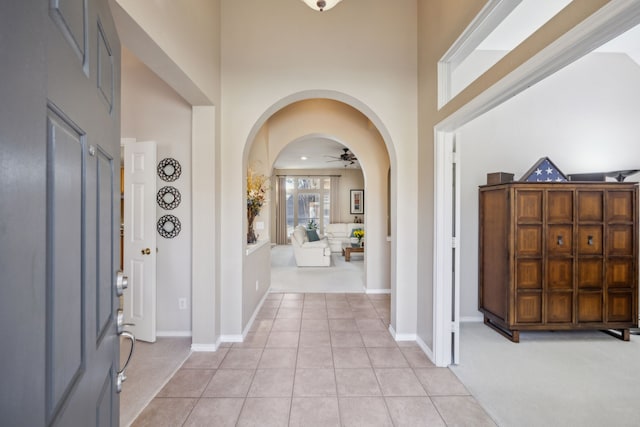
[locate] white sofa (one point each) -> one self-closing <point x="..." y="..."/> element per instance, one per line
<point x="339" y="234"/>
<point x="310" y="254"/>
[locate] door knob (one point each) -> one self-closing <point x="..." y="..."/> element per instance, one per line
<point x="146" y="251"/>
<point x="122" y="283"/>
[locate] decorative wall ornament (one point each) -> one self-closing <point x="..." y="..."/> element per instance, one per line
<point x="169" y="226"/>
<point x="169" y="169"/>
<point x="168" y="197"/>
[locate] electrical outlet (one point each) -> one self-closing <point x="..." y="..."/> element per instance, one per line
<point x="182" y="303"/>
<point x="257" y="284"/>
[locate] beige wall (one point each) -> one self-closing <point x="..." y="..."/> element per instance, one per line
<point x="179" y="40"/>
<point x="152" y="111"/>
<point x="366" y="55"/>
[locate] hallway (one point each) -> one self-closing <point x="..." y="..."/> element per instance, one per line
<point x="315" y="359"/>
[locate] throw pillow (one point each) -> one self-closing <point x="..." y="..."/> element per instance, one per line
<point x="312" y="235"/>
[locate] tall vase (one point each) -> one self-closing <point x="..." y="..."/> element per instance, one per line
<point x="251" y="234"/>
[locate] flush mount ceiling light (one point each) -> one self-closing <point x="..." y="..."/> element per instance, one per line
<point x="321" y="5"/>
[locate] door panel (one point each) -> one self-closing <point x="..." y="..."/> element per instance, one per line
<point x="560" y="240"/>
<point x="528" y="206"/>
<point x="620" y="240"/>
<point x="560" y="273"/>
<point x="559" y="206"/>
<point x="82" y="200"/>
<point x="529" y="240"/>
<point x="590" y="307"/>
<point x="590" y="239"/>
<point x="559" y="307"/>
<point x="620" y="206"/>
<point x="529" y="307"/>
<point x="590" y="273"/>
<point x="140" y="237"/>
<point x="590" y="206"/>
<point x="65" y="355"/>
<point x="620" y="273"/>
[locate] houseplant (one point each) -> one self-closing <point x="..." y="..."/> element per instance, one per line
<point x="358" y="234"/>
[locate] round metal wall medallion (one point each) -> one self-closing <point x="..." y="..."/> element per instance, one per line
<point x="168" y="198"/>
<point x="169" y="226"/>
<point x="169" y="169"/>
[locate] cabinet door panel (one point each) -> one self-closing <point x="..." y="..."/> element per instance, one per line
<point x="620" y="240"/>
<point x="590" y="206"/>
<point x="590" y="239"/>
<point x="590" y="307"/>
<point x="529" y="274"/>
<point x="559" y="206"/>
<point x="560" y="274"/>
<point x="620" y="307"/>
<point x="619" y="206"/>
<point x="528" y="308"/>
<point x="590" y="273"/>
<point x="620" y="273"/>
<point x="529" y="240"/>
<point x="528" y="206"/>
<point x="559" y="307"/>
<point x="560" y="240"/>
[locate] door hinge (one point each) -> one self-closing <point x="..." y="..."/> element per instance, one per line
<point x="454" y="242"/>
<point x="453" y="157"/>
<point x="455" y="327"/>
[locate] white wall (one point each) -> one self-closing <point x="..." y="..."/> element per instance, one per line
<point x="151" y="110"/>
<point x="584" y="118"/>
<point x="280" y="51"/>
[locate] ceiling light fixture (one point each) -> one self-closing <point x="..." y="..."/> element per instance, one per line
<point x="321" y="5"/>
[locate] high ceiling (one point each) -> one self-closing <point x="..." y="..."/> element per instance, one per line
<point x="320" y="153"/>
<point x="509" y="34"/>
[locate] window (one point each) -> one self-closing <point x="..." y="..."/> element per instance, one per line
<point x="308" y="199"/>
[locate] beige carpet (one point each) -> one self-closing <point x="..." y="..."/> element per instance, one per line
<point x="340" y="276"/>
<point x="152" y="365"/>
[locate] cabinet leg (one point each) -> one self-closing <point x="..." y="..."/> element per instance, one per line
<point x="511" y="335"/>
<point x="622" y="334"/>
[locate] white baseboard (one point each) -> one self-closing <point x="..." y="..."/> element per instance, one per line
<point x="401" y="337"/>
<point x="253" y="316"/>
<point x="425" y="349"/>
<point x="204" y="347"/>
<point x="378" y="291"/>
<point x="471" y="319"/>
<point x="231" y="338"/>
<point x="413" y="337"/>
<point x="173" y="333"/>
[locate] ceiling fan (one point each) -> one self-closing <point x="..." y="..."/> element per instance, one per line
<point x="348" y="157"/>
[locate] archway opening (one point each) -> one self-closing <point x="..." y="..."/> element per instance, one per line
<point x="324" y="127"/>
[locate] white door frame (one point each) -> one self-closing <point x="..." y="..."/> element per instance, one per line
<point x="610" y="21"/>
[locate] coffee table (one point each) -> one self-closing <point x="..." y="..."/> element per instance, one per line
<point x="349" y="250"/>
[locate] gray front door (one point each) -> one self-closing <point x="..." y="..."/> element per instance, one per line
<point x="59" y="212"/>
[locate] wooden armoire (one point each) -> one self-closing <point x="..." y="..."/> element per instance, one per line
<point x="557" y="256"/>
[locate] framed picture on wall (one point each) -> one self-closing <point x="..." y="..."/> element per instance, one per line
<point x="357" y="202"/>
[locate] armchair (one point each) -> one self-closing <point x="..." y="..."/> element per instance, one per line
<point x="310" y="254"/>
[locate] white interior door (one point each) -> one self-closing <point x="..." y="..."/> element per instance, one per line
<point x="140" y="237"/>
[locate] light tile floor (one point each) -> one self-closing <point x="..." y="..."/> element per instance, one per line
<point x="315" y="360"/>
